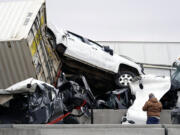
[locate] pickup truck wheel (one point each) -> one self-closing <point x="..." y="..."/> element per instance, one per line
<point x="124" y="78"/>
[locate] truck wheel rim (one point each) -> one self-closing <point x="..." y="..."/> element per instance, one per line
<point x="125" y="79"/>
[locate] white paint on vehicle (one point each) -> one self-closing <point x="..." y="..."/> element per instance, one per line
<point x="159" y="85"/>
<point x="92" y="54"/>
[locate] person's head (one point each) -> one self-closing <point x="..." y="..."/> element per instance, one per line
<point x="151" y="95"/>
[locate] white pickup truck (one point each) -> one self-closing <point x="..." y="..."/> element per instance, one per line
<point x="77" y="50"/>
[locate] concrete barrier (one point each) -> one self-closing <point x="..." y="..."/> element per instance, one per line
<point x="109" y="116"/>
<point x="12" y="131"/>
<point x="103" y="130"/>
<point x="165" y="117"/>
<point x="103" y="120"/>
<point x="89" y="129"/>
<point x="172" y="129"/>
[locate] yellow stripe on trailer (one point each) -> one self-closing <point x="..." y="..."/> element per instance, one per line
<point x="37" y="38"/>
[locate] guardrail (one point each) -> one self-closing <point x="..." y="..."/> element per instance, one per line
<point x="157" y="66"/>
<point x="168" y="69"/>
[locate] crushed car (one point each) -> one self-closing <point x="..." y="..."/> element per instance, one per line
<point x="159" y="85"/>
<point x="81" y="55"/>
<point x="32" y="102"/>
<point x="117" y="99"/>
<point x="166" y="89"/>
<point x="78" y="96"/>
<point x="35" y="102"/>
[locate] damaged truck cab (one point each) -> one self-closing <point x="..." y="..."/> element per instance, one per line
<point x="96" y="62"/>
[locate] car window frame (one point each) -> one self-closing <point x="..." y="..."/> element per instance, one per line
<point x="78" y="36"/>
<point x="95" y="43"/>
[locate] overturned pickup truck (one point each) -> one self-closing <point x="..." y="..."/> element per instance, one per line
<point x="98" y="63"/>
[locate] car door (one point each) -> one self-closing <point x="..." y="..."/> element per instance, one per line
<point x="77" y="48"/>
<point x="101" y="58"/>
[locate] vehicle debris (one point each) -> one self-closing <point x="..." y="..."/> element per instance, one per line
<point x="117" y="99"/>
<point x="166" y="89"/>
<point x="33" y="102"/>
<point x="36" y="102"/>
<point x="159" y="85"/>
<point x="175" y="81"/>
<point x="175" y="115"/>
<point x="96" y="78"/>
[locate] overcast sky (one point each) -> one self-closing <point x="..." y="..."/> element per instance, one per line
<point x="119" y="20"/>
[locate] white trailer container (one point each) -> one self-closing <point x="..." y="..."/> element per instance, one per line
<point x="24" y="48"/>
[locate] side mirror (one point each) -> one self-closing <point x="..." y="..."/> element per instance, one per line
<point x="108" y="49"/>
<point x="66" y="34"/>
<point x="63" y="36"/>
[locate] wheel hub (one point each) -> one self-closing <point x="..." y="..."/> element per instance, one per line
<point x="125" y="79"/>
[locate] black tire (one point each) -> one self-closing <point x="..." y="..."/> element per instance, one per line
<point x="124" y="78"/>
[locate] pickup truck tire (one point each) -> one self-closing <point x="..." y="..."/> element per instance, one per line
<point x="124" y="78"/>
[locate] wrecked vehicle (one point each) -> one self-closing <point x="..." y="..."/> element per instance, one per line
<point x="117" y="99"/>
<point x="175" y="78"/>
<point x="166" y="89"/>
<point x="81" y="55"/>
<point x="75" y="89"/>
<point x="35" y="102"/>
<point x="175" y="113"/>
<point x="159" y="85"/>
<point x="25" y="51"/>
<point x="32" y="102"/>
<point x="77" y="95"/>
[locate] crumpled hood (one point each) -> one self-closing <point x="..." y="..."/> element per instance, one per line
<point x="28" y="85"/>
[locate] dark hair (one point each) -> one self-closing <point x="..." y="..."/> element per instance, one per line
<point x="151" y="95"/>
